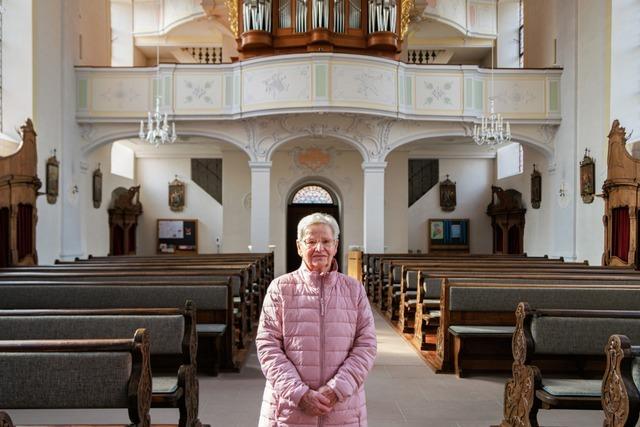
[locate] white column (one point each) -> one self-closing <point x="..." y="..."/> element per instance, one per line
<point x="260" y="185"/>
<point x="374" y="206"/>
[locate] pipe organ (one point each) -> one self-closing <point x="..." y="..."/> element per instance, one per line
<point x="375" y="27"/>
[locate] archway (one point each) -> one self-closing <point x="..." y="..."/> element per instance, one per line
<point x="306" y="199"/>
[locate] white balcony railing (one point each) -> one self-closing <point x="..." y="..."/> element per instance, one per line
<point x="318" y="82"/>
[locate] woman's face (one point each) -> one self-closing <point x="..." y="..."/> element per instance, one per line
<point x="317" y="247"/>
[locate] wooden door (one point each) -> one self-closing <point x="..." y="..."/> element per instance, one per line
<point x="295" y="212"/>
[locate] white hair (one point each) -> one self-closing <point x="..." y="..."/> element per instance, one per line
<point x="318" y="218"/>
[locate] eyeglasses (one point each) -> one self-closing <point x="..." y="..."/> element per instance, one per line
<point x="310" y="243"/>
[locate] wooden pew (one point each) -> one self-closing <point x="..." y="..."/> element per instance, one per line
<point x="116" y="372"/>
<point x="487" y="308"/>
<point x="173" y="344"/>
<point x="237" y="276"/>
<point x="428" y="313"/>
<point x="388" y="284"/>
<point x="620" y="395"/>
<point x="214" y="300"/>
<point x="574" y="336"/>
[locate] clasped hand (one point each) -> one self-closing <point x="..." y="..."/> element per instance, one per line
<point x="319" y="402"/>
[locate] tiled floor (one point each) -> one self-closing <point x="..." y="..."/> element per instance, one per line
<point x="401" y="391"/>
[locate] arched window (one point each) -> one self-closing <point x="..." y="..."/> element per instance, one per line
<point x="312" y="194"/>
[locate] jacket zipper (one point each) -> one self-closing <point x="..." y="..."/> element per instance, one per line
<point x="321" y="418"/>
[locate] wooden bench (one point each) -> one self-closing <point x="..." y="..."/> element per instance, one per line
<point x="213" y="299"/>
<point x="173" y="345"/>
<point x="492" y="306"/>
<point x="88" y="374"/>
<point x="620" y="384"/>
<point x="237" y="277"/>
<point x="574" y="336"/>
<point x="428" y="312"/>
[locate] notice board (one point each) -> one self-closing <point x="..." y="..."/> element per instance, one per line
<point x="177" y="236"/>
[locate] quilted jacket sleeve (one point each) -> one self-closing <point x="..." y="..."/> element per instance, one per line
<point x="354" y="369"/>
<point x="276" y="366"/>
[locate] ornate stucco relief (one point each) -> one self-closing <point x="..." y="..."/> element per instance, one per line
<point x="353" y="83"/>
<point x="195" y="92"/>
<point x="520" y="96"/>
<point x="274" y="85"/>
<point x="125" y="94"/>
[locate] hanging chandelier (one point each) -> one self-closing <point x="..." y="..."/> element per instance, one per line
<point x="493" y="130"/>
<point x="157" y="132"/>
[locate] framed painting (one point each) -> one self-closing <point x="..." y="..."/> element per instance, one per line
<point x="436" y="231"/>
<point x="176" y="195"/>
<point x="536" y="188"/>
<point x="448" y="195"/>
<point x="52" y="171"/>
<point x="587" y="177"/>
<point x="96" y="188"/>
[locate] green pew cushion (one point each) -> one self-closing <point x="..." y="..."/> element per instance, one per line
<point x="459" y="330"/>
<point x="572" y="387"/>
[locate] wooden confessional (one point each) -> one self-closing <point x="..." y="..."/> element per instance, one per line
<point x="507" y="221"/>
<point x="19" y="185"/>
<point x="123" y="220"/>
<point x="620" y="192"/>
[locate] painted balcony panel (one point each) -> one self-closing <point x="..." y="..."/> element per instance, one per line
<point x="318" y="82"/>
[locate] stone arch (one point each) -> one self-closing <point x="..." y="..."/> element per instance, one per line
<point x="546" y="149"/>
<point x="116" y="135"/>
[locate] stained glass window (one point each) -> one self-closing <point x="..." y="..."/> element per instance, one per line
<point x="312" y="194"/>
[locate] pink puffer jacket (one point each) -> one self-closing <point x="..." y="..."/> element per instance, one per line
<point x="315" y="329"/>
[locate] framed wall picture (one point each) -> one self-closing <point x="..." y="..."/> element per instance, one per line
<point x="536" y="188"/>
<point x="176" y="195"/>
<point x="52" y="172"/>
<point x="96" y="188"/>
<point x="587" y="177"/>
<point x="448" y="195"/>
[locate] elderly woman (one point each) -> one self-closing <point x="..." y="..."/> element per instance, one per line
<point x="316" y="339"/>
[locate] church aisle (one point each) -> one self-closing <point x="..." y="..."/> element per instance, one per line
<point x="401" y="391"/>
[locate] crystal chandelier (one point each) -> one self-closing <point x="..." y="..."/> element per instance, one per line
<point x="493" y="130"/>
<point x="157" y="128"/>
<point x="157" y="132"/>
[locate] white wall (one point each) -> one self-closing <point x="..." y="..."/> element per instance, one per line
<point x="625" y="64"/>
<point x="17" y="64"/>
<point x="537" y="236"/>
<point x="122" y="49"/>
<point x="98" y="219"/>
<point x="47" y="114"/>
<point x="473" y="178"/>
<point x="236" y="199"/>
<point x="593" y="120"/>
<point x="153" y="176"/>
<point x="540" y="29"/>
<point x="396" y="199"/>
<point x="507" y="55"/>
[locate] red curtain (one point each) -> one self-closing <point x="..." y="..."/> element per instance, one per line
<point x="5" y="238"/>
<point x="131" y="250"/>
<point x="513" y="240"/>
<point x="620" y="229"/>
<point x="497" y="239"/>
<point x="24" y="231"/>
<point x="118" y="241"/>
